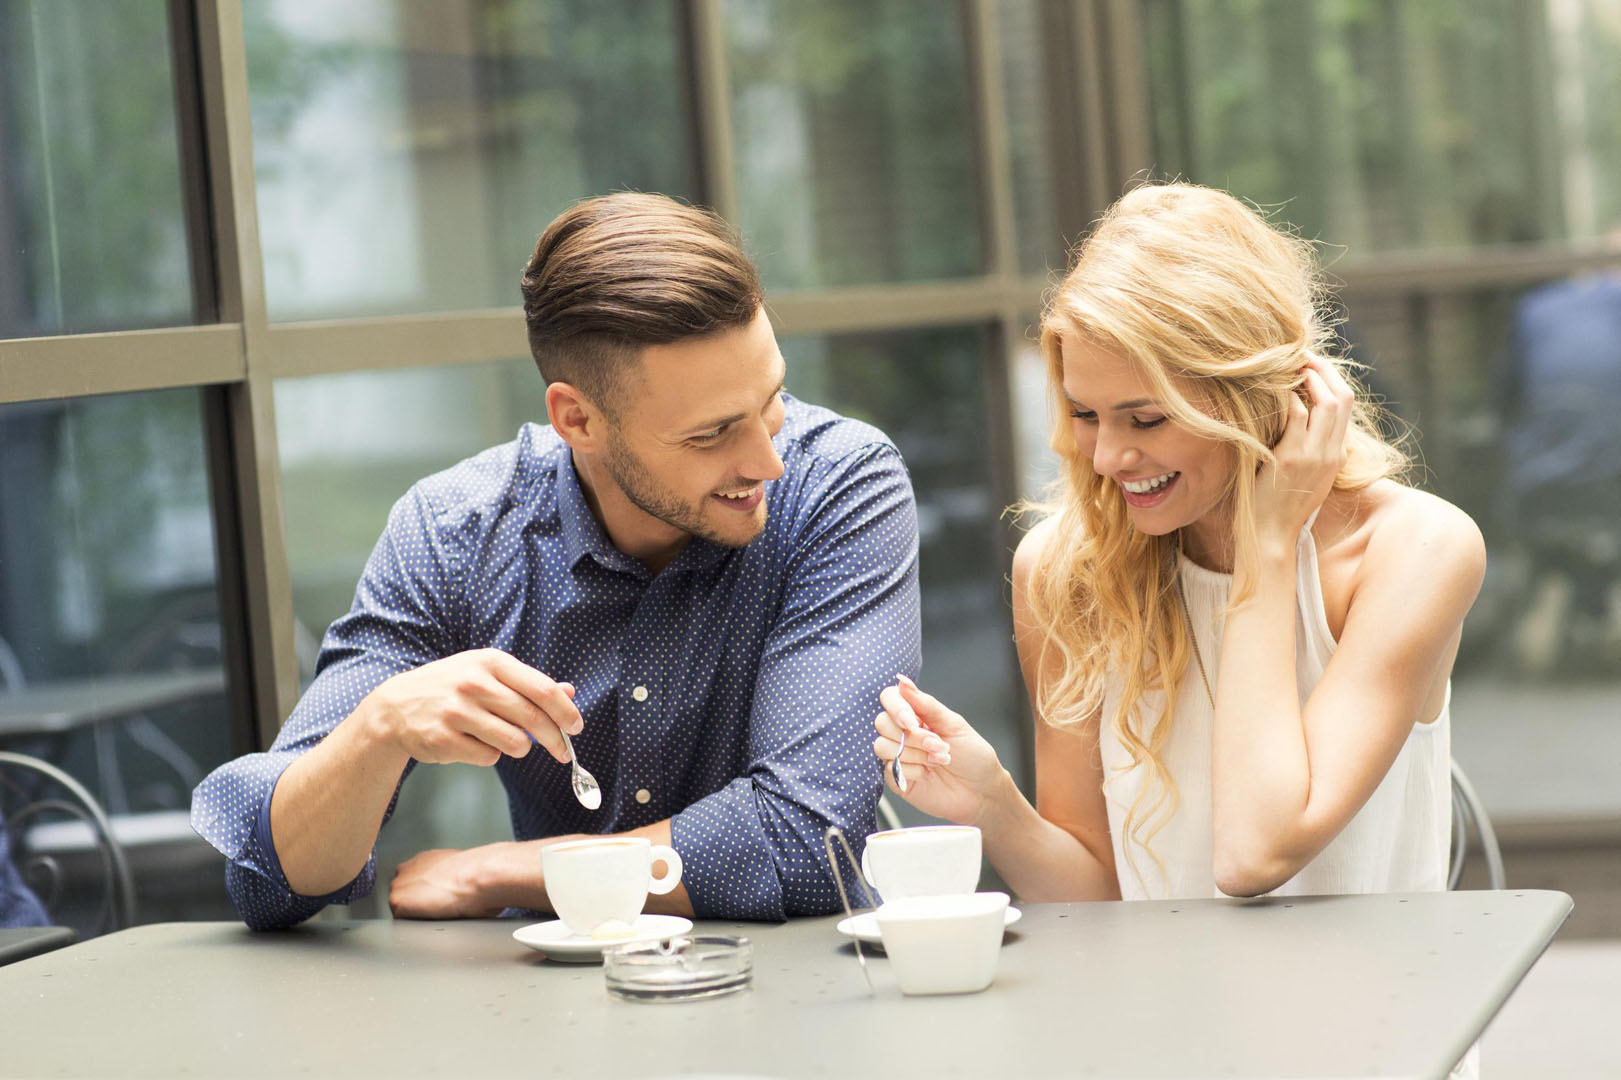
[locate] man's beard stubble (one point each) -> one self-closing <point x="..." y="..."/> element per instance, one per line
<point x="644" y="493"/>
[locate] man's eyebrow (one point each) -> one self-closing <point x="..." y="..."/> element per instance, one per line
<point x="724" y="421"/>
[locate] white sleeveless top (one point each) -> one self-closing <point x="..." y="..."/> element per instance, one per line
<point x="1397" y="842"/>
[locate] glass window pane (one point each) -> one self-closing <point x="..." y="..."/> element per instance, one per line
<point x="351" y="445"/>
<point x="1034" y="409"/>
<point x="853" y="129"/>
<point x="927" y="390"/>
<point x="1025" y="88"/>
<point x="111" y="658"/>
<point x="408" y="152"/>
<point x="1395" y="125"/>
<point x="1515" y="392"/>
<point x="92" y="224"/>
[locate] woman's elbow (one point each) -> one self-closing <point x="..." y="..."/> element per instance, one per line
<point x="1249" y="870"/>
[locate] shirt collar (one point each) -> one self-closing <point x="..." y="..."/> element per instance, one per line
<point x="582" y="534"/>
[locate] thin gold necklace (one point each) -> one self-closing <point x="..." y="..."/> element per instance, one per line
<point x="1187" y="617"/>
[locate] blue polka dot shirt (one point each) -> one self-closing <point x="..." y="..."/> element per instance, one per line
<point x="733" y="692"/>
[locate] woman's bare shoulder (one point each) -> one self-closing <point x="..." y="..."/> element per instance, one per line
<point x="1032" y="546"/>
<point x="1403" y="528"/>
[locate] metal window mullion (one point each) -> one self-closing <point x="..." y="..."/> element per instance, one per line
<point x="1398" y="273"/>
<point x="1077" y="172"/>
<point x="1126" y="66"/>
<point x="993" y="145"/>
<point x="126" y="361"/>
<point x="1091" y="157"/>
<point x="711" y="82"/>
<point x="327" y="347"/>
<point x="250" y="409"/>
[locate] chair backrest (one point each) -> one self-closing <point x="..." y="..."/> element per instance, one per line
<point x="40" y="798"/>
<point x="1468" y="812"/>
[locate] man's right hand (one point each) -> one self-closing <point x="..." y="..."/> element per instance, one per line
<point x="472" y="707"/>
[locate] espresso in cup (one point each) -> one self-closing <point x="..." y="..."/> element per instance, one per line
<point x="594" y="884"/>
<point x="929" y="860"/>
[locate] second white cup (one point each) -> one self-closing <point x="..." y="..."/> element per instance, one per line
<point x="591" y="882"/>
<point x="928" y="860"/>
<point x="944" y="944"/>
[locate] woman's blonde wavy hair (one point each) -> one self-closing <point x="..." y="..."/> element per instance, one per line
<point x="1207" y="301"/>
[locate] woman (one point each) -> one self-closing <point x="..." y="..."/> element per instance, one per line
<point x="1235" y="622"/>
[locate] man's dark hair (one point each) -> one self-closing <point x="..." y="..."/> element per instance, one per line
<point x="617" y="273"/>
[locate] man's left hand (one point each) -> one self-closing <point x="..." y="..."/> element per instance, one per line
<point x="449" y="884"/>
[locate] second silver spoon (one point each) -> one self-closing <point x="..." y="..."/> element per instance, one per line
<point x="586" y="788"/>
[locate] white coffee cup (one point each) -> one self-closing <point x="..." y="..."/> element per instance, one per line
<point x="943" y="944"/>
<point x="591" y="882"/>
<point x="928" y="860"/>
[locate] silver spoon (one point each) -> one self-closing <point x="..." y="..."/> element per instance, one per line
<point x="586" y="788"/>
<point x="895" y="766"/>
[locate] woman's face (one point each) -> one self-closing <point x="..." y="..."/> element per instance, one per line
<point x="1168" y="476"/>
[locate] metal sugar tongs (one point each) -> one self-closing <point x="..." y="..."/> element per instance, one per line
<point x="833" y="831"/>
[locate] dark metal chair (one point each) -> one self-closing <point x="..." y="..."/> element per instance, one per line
<point x="1469" y="813"/>
<point x="40" y="797"/>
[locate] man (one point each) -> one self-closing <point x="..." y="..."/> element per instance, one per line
<point x="702" y="580"/>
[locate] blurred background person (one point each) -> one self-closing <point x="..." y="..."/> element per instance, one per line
<point x="1560" y="396"/>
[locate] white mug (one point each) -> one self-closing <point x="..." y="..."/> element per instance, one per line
<point x="944" y="944"/>
<point x="591" y="882"/>
<point x="928" y="860"/>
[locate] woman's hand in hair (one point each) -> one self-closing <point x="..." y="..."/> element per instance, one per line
<point x="951" y="771"/>
<point x="1309" y="456"/>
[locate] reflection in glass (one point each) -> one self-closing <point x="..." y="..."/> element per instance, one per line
<point x="927" y="390"/>
<point x="92" y="229"/>
<point x="853" y="129"/>
<point x="111" y="662"/>
<point x="1515" y="392"/>
<point x="408" y="152"/>
<point x="1395" y="125"/>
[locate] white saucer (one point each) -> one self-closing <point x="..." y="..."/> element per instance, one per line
<point x="557" y="943"/>
<point x="864" y="927"/>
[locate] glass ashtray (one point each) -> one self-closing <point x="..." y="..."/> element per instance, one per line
<point x="680" y="969"/>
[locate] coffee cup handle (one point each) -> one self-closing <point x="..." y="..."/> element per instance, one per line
<point x="866" y="867"/>
<point x="658" y="886"/>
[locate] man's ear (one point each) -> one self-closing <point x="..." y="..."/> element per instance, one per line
<point x="575" y="417"/>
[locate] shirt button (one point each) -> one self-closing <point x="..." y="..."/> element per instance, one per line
<point x="640" y="694"/>
<point x="644" y="796"/>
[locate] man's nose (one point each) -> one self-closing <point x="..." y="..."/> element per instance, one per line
<point x="763" y="461"/>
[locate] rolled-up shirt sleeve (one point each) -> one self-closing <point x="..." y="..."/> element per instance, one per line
<point x="849" y="623"/>
<point x="403" y="616"/>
